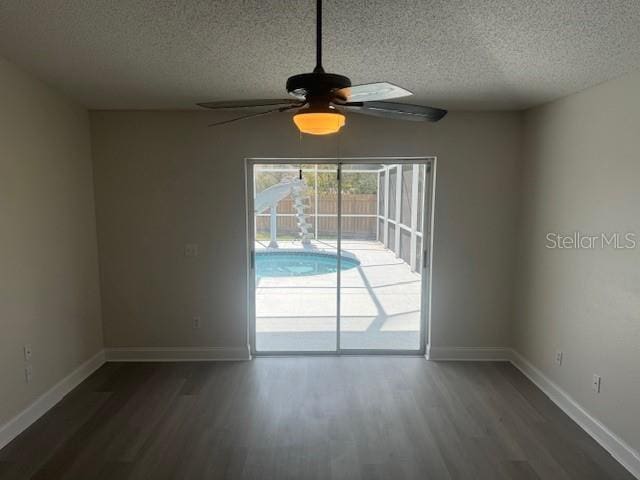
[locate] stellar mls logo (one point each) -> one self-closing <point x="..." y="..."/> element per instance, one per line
<point x="581" y="241"/>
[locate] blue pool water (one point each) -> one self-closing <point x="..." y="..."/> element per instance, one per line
<point x="300" y="264"/>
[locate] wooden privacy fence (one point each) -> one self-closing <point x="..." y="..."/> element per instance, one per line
<point x="359" y="217"/>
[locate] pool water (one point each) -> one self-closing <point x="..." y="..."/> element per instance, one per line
<point x="300" y="264"/>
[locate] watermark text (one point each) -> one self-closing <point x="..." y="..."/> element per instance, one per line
<point x="582" y="241"/>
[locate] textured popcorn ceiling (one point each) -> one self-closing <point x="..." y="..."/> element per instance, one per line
<point x="459" y="54"/>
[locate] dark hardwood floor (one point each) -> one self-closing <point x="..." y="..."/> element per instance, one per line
<point x="307" y="417"/>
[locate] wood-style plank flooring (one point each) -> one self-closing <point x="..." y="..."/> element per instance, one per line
<point x="307" y="418"/>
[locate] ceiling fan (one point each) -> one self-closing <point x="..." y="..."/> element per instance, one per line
<point x="321" y="99"/>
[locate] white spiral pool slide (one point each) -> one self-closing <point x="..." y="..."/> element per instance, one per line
<point x="270" y="197"/>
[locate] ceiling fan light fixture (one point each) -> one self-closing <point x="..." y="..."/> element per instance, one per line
<point x="319" y="123"/>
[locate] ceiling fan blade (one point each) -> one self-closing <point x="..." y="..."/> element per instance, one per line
<point x="397" y="111"/>
<point x="258" y="114"/>
<point x="237" y="104"/>
<point x="370" y="92"/>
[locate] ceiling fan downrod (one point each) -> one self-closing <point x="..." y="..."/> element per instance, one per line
<point x="318" y="68"/>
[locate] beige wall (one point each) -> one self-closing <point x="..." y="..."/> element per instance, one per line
<point x="582" y="173"/>
<point x="163" y="179"/>
<point x="49" y="295"/>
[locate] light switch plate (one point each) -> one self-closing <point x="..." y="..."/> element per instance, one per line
<point x="559" y="357"/>
<point x="597" y="382"/>
<point x="191" y="250"/>
<point x="27" y="352"/>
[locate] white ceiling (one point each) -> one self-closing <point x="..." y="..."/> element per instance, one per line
<point x="458" y="54"/>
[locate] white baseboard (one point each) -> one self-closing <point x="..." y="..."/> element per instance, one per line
<point x="621" y="451"/>
<point x="177" y="354"/>
<point x="48" y="400"/>
<point x="485" y="354"/>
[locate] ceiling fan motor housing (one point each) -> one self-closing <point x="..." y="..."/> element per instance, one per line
<point x="316" y="84"/>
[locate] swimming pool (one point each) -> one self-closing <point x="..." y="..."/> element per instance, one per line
<point x="300" y="264"/>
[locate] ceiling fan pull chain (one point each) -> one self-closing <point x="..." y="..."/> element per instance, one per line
<point x="338" y="156"/>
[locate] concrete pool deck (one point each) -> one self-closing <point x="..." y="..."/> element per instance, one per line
<point x="380" y="303"/>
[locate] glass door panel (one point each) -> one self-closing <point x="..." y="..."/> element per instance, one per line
<point x="295" y="259"/>
<point x="381" y="297"/>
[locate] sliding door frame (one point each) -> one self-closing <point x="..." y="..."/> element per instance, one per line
<point x="427" y="249"/>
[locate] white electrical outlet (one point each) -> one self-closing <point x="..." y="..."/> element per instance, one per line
<point x="559" y="357"/>
<point x="191" y="250"/>
<point x="196" y="322"/>
<point x="28" y="373"/>
<point x="597" y="381"/>
<point x="27" y="352"/>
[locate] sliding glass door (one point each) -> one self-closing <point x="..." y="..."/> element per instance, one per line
<point x="381" y="300"/>
<point x="337" y="252"/>
<point x="295" y="257"/>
